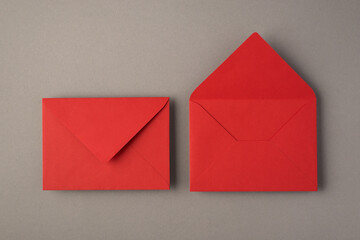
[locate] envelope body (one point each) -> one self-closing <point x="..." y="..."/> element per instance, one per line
<point x="253" y="125"/>
<point x="105" y="143"/>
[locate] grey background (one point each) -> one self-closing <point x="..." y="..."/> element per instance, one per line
<point x="167" y="48"/>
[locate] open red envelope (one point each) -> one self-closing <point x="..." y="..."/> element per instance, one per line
<point x="105" y="143"/>
<point x="253" y="125"/>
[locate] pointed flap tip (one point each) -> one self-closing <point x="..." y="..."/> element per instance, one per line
<point x="255" y="35"/>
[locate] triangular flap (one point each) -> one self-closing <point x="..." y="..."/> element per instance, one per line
<point x="254" y="70"/>
<point x="105" y="125"/>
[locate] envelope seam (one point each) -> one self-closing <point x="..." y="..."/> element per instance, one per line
<point x="290" y="160"/>
<point x="212" y="163"/>
<point x="148" y="162"/>
<point x="285" y="123"/>
<point x="215" y="120"/>
<point x="71" y="132"/>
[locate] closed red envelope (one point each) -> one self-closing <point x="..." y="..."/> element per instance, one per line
<point x="253" y="125"/>
<point x="105" y="143"/>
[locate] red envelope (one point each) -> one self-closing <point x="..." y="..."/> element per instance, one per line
<point x="253" y="125"/>
<point x="105" y="143"/>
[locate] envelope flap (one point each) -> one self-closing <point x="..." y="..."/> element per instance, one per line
<point x="254" y="92"/>
<point x="105" y="125"/>
<point x="253" y="71"/>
